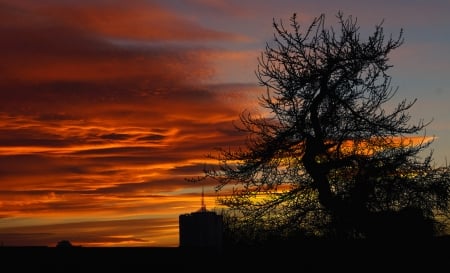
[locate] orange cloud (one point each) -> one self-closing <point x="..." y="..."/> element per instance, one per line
<point x="97" y="220"/>
<point x="109" y="154"/>
<point x="107" y="106"/>
<point x="101" y="41"/>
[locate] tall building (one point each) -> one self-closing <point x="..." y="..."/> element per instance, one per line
<point x="202" y="228"/>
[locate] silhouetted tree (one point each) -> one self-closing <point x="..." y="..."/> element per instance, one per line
<point x="330" y="155"/>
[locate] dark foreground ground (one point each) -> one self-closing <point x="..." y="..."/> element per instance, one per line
<point x="309" y="256"/>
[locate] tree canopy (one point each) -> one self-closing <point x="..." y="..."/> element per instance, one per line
<point x="331" y="155"/>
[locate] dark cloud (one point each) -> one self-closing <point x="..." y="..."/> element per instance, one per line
<point x="115" y="136"/>
<point x="152" y="138"/>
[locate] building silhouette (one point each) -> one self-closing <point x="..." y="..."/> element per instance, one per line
<point x="201" y="229"/>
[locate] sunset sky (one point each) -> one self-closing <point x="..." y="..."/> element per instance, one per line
<point x="108" y="106"/>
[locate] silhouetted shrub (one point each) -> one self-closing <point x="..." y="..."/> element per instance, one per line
<point x="64" y="243"/>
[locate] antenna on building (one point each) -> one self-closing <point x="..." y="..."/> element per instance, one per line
<point x="203" y="206"/>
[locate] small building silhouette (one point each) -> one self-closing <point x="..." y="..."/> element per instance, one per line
<point x="64" y="243"/>
<point x="202" y="228"/>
